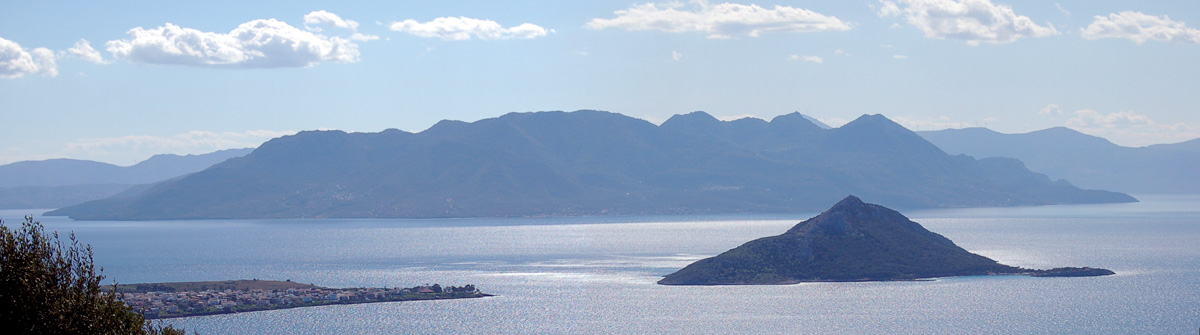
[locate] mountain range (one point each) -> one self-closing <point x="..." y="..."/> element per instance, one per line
<point x="1084" y="160"/>
<point x="589" y="163"/>
<point x="56" y="183"/>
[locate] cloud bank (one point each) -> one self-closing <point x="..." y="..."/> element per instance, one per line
<point x="465" y="28"/>
<point x="16" y="61"/>
<point x="972" y="21"/>
<point x="719" y="21"/>
<point x="1131" y="128"/>
<point x="134" y="148"/>
<point x="1139" y="28"/>
<point x="256" y="44"/>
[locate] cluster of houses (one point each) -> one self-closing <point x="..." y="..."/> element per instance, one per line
<point x="191" y="303"/>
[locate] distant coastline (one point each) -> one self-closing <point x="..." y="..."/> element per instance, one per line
<point x="186" y="299"/>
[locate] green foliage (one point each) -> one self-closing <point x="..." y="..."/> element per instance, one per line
<point x="51" y="287"/>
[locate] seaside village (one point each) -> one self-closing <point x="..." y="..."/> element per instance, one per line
<point x="160" y="304"/>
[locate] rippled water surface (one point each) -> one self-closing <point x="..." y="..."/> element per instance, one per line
<point x="597" y="274"/>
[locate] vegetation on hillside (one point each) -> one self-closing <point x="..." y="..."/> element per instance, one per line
<point x="48" y="286"/>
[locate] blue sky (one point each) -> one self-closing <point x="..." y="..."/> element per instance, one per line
<point x="119" y="81"/>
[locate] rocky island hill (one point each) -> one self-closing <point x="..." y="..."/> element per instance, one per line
<point x="852" y="241"/>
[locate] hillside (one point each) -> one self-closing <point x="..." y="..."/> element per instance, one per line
<point x="1084" y="160"/>
<point x="56" y="183"/>
<point x="589" y="163"/>
<point x="851" y="241"/>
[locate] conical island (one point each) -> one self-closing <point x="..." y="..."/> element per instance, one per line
<point x="852" y="241"/>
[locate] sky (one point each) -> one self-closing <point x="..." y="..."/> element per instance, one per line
<point x="120" y="81"/>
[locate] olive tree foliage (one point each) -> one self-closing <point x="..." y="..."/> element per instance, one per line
<point x="48" y="286"/>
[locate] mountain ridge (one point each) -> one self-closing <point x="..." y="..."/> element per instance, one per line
<point x="57" y="183"/>
<point x="583" y="163"/>
<point x="1084" y="160"/>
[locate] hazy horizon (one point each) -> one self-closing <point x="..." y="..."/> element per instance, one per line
<point x="118" y="82"/>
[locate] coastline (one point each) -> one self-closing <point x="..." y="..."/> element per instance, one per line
<point x="187" y="299"/>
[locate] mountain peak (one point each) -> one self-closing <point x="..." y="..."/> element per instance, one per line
<point x="691" y="120"/>
<point x="852" y="241"/>
<point x="797" y="121"/>
<point x="873" y="120"/>
<point x="849" y="202"/>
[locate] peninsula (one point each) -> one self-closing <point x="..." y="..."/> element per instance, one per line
<point x="183" y="299"/>
<point x="852" y="241"/>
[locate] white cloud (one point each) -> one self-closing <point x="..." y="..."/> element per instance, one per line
<point x="83" y="50"/>
<point x="973" y="21"/>
<point x="840" y="52"/>
<point x="1051" y="109"/>
<point x="719" y="21"/>
<point x="835" y="122"/>
<point x="322" y="17"/>
<point x="256" y="44"/>
<point x="1139" y="28"/>
<point x="941" y="122"/>
<point x="806" y="58"/>
<point x="465" y="28"/>
<point x="676" y="55"/>
<point x="1061" y="9"/>
<point x="363" y="37"/>
<point x="16" y="62"/>
<point x="899" y="57"/>
<point x="134" y="148"/>
<point x="1130" y="128"/>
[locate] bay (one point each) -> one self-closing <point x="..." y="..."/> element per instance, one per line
<point x="597" y="274"/>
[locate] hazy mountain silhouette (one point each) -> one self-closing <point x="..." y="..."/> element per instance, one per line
<point x="589" y="163"/>
<point x="1084" y="160"/>
<point x="61" y="182"/>
<point x="851" y="241"/>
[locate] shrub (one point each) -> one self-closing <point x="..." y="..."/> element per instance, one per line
<point x="50" y="287"/>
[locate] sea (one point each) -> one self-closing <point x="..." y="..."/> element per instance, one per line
<point x="596" y="275"/>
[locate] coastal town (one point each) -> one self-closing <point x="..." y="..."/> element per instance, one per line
<point x="172" y="300"/>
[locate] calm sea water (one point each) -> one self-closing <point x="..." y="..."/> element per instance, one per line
<point x="597" y="274"/>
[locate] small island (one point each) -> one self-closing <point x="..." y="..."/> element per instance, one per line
<point x="183" y="299"/>
<point x="851" y="241"/>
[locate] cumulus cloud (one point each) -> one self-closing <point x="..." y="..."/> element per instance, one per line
<point x="324" y="18"/>
<point x="16" y="61"/>
<point x="1139" y="28"/>
<point x="719" y="21"/>
<point x="806" y="58"/>
<point x="363" y="37"/>
<point x="941" y="122"/>
<point x="972" y="21"/>
<point x="83" y="50"/>
<point x="256" y="44"/>
<point x="676" y="55"/>
<point x="1131" y="128"/>
<point x="133" y="148"/>
<point x="1051" y="109"/>
<point x="465" y="28"/>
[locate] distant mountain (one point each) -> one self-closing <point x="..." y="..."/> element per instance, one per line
<point x="62" y="182"/>
<point x="816" y="122"/>
<point x="588" y="163"/>
<point x="851" y="241"/>
<point x="1084" y="160"/>
<point x="68" y="172"/>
